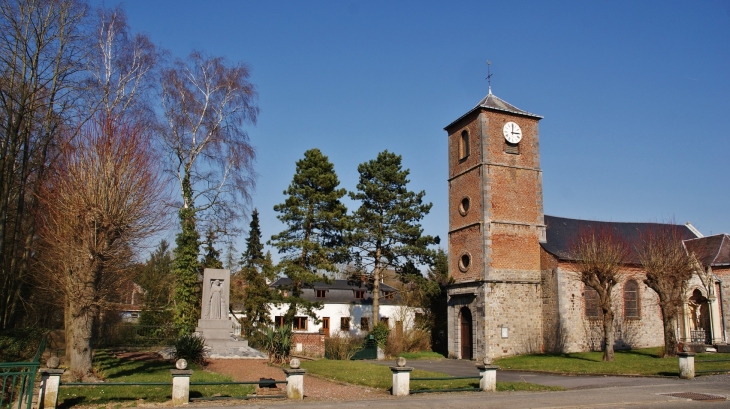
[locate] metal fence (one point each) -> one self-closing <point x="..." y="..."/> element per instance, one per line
<point x="710" y="366"/>
<point x="18" y="380"/>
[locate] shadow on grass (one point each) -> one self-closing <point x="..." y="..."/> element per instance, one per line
<point x="145" y="367"/>
<point x="639" y="352"/>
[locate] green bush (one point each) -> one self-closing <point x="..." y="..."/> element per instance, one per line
<point x="277" y="343"/>
<point x="380" y="334"/>
<point x="191" y="348"/>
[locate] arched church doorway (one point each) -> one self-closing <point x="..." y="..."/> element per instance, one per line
<point x="699" y="319"/>
<point x="466" y="333"/>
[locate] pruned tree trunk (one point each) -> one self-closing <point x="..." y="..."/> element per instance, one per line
<point x="82" y="326"/>
<point x="669" y="319"/>
<point x="608" y="355"/>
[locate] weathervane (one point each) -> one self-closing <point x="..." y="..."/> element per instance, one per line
<point x="489" y="76"/>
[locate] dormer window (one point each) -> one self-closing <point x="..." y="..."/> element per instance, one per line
<point x="359" y="294"/>
<point x="464" y="145"/>
<point x="320" y="293"/>
<point x="388" y="295"/>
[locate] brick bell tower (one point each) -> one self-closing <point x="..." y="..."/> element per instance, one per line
<point x="496" y="225"/>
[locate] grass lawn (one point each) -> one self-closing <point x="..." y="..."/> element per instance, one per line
<point x="380" y="377"/>
<point x="634" y="362"/>
<point x="113" y="369"/>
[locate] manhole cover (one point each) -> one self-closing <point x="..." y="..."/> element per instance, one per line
<point x="697" y="396"/>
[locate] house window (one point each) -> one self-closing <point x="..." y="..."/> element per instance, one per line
<point x="365" y="324"/>
<point x="631" y="299"/>
<point x="388" y="295"/>
<point x="300" y="323"/>
<point x="278" y="321"/>
<point x="321" y="293"/>
<point x="345" y="324"/>
<point x="593" y="303"/>
<point x="359" y="294"/>
<point x="384" y="320"/>
<point x="464" y="145"/>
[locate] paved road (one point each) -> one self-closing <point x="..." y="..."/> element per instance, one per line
<point x="583" y="392"/>
<point x="643" y="396"/>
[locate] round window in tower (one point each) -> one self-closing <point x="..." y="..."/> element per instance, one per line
<point x="464" y="206"/>
<point x="464" y="262"/>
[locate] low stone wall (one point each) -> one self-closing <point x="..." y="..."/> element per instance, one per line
<point x="308" y="343"/>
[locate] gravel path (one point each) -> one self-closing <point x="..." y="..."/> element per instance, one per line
<point x="314" y="388"/>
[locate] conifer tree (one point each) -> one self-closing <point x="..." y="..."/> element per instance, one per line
<point x="387" y="233"/>
<point x="212" y="257"/>
<point x="256" y="274"/>
<point x="313" y="241"/>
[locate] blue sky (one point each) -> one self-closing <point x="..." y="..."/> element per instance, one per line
<point x="635" y="95"/>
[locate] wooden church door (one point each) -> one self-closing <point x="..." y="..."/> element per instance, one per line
<point x="466" y="331"/>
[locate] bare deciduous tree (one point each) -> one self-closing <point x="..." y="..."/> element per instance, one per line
<point x="668" y="267"/>
<point x="41" y="53"/>
<point x="105" y="196"/>
<point x="120" y="65"/>
<point x="206" y="104"/>
<point x="599" y="254"/>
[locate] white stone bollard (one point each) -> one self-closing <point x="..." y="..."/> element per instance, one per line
<point x="295" y="380"/>
<point x="180" y="386"/>
<point x="488" y="377"/>
<point x="48" y="391"/>
<point x="686" y="365"/>
<point x="401" y="378"/>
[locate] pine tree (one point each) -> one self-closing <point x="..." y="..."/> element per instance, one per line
<point x="256" y="274"/>
<point x="316" y="219"/>
<point x="387" y="232"/>
<point x="212" y="257"/>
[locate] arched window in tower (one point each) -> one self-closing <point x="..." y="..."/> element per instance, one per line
<point x="631" y="299"/>
<point x="464" y="145"/>
<point x="464" y="262"/>
<point x="593" y="303"/>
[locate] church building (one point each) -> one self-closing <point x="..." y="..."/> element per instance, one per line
<point x="513" y="290"/>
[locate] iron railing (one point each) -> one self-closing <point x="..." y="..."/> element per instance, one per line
<point x="18" y="380"/>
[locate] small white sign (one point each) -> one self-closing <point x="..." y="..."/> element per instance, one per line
<point x="505" y="332"/>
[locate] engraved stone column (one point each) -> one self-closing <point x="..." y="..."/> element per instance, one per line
<point x="48" y="392"/>
<point x="686" y="365"/>
<point x="401" y="378"/>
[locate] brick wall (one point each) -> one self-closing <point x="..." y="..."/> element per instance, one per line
<point x="312" y="344"/>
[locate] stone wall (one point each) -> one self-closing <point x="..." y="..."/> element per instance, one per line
<point x="308" y="344"/>
<point x="567" y="329"/>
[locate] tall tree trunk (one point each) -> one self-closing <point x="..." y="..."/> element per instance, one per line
<point x="69" y="333"/>
<point x="376" y="287"/>
<point x="608" y="335"/>
<point x="82" y="326"/>
<point x="669" y="317"/>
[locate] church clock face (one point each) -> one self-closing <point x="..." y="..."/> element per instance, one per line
<point x="512" y="132"/>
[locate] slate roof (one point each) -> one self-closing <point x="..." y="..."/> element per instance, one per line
<point x="494" y="103"/>
<point x="711" y="251"/>
<point x="341" y="292"/>
<point x="561" y="232"/>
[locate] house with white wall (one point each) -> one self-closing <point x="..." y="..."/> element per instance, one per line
<point x="347" y="308"/>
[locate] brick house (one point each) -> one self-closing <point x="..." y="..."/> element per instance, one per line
<point x="512" y="290"/>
